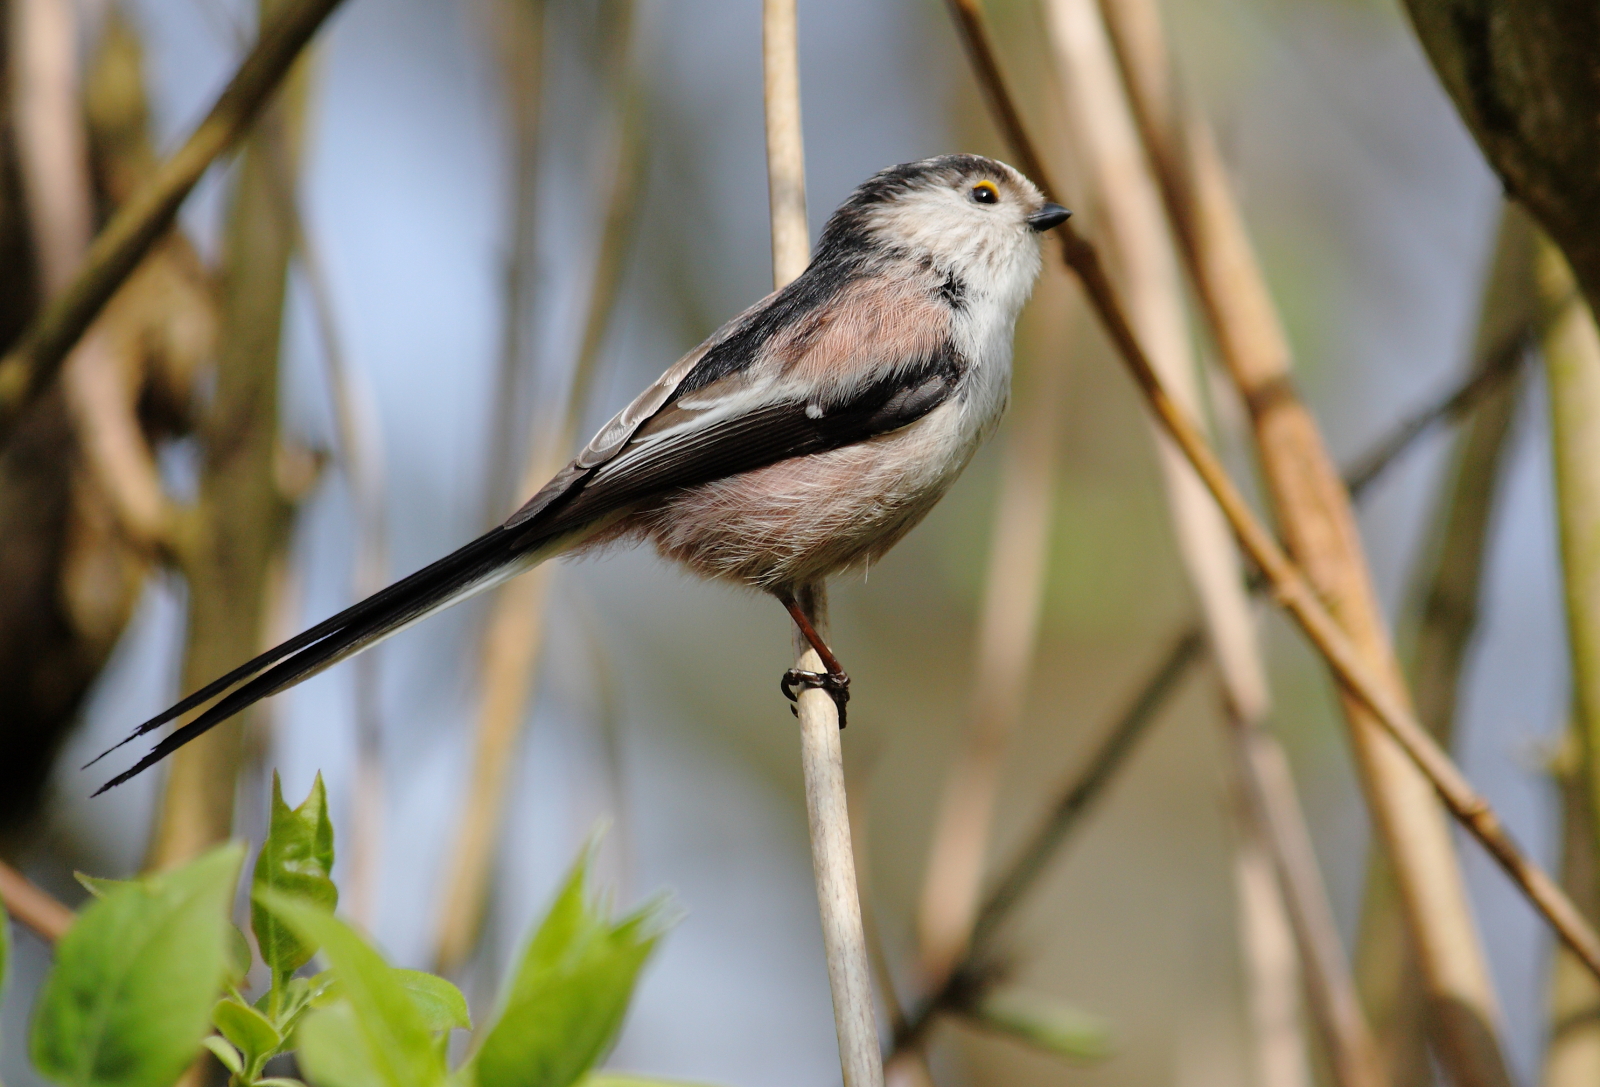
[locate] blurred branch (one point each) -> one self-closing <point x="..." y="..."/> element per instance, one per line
<point x="30" y="365"/>
<point x="80" y="498"/>
<point x="1572" y="369"/>
<point x="26" y="902"/>
<point x="1134" y="230"/>
<point x="1524" y="80"/>
<point x="1500" y="369"/>
<point x="1572" y="1056"/>
<point x="514" y="635"/>
<point x="1360" y="679"/>
<point x="518" y="29"/>
<point x="1267" y="790"/>
<point x="976" y="969"/>
<point x="1314" y="513"/>
<point x="52" y="149"/>
<point x="242" y="515"/>
<point x="1007" y="631"/>
<point x="1449" y="588"/>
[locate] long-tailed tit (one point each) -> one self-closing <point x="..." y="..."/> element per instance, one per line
<point x="804" y="438"/>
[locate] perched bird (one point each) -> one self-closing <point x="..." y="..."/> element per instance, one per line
<point x="804" y="438"/>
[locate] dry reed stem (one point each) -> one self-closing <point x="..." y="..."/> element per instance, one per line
<point x="33" y="361"/>
<point x="1140" y="246"/>
<point x="53" y="161"/>
<point x="1318" y="523"/>
<point x="1269" y="959"/>
<point x="833" y="864"/>
<point x="517" y="28"/>
<point x="1267" y="789"/>
<point x="33" y="906"/>
<point x="821" y="755"/>
<point x="1302" y="878"/>
<point x="51" y="144"/>
<point x="1448" y="598"/>
<point x="977" y="968"/>
<point x="1296" y="596"/>
<point x="514" y="635"/>
<point x="1572" y="1056"/>
<point x="1572" y="370"/>
<point x="1572" y="367"/>
<point x="1007" y="632"/>
<point x="242" y="516"/>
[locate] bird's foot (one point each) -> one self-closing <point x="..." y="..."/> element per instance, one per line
<point x="837" y="684"/>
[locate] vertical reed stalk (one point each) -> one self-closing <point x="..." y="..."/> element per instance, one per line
<point x="1007" y="631"/>
<point x="821" y="756"/>
<point x="1321" y="535"/>
<point x="514" y="635"/>
<point x="1138" y="241"/>
<point x="1572" y="367"/>
<point x="1448" y="614"/>
<point x="241" y="518"/>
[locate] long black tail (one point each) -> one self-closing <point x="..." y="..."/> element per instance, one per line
<point x="491" y="558"/>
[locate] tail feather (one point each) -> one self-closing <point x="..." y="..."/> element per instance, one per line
<point x="490" y="559"/>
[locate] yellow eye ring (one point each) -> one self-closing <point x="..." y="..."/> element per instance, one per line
<point x="985" y="192"/>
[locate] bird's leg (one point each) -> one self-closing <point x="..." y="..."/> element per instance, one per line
<point x="834" y="680"/>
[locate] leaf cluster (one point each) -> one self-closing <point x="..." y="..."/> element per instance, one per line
<point x="153" y="971"/>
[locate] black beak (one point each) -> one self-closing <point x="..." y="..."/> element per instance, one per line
<point x="1047" y="217"/>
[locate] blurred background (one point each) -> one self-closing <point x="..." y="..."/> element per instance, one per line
<point x="443" y="203"/>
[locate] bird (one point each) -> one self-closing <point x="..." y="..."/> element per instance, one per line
<point x="802" y="439"/>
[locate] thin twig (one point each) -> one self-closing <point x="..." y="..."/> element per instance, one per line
<point x="32" y="363"/>
<point x="1295" y="595"/>
<point x="26" y="902"/>
<point x="1031" y="860"/>
<point x="1076" y="798"/>
<point x="1499" y="367"/>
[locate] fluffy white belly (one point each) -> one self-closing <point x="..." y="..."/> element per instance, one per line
<point x="809" y="517"/>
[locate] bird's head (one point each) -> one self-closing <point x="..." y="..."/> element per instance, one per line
<point x="968" y="214"/>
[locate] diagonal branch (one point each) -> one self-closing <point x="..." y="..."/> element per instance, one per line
<point x="32" y="363"/>
<point x="1295" y="595"/>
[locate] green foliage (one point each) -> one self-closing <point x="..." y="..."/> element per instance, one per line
<point x="1046" y="1024"/>
<point x="564" y="1006"/>
<point x="152" y="962"/>
<point x="296" y="860"/>
<point x="130" y="996"/>
<point x="378" y="1019"/>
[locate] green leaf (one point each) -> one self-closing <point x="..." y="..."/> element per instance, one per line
<point x="135" y="976"/>
<point x="238" y="955"/>
<point x="566" y="1003"/>
<point x="97" y="886"/>
<point x="335" y="1052"/>
<point x="396" y="1046"/>
<point x="250" y="1031"/>
<point x="295" y="860"/>
<point x="1046" y="1024"/>
<point x="441" y="1003"/>
<point x="224" y="1053"/>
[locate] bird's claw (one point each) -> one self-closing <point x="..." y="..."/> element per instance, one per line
<point x="837" y="684"/>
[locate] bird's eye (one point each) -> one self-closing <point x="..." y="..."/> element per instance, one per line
<point x="984" y="192"/>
